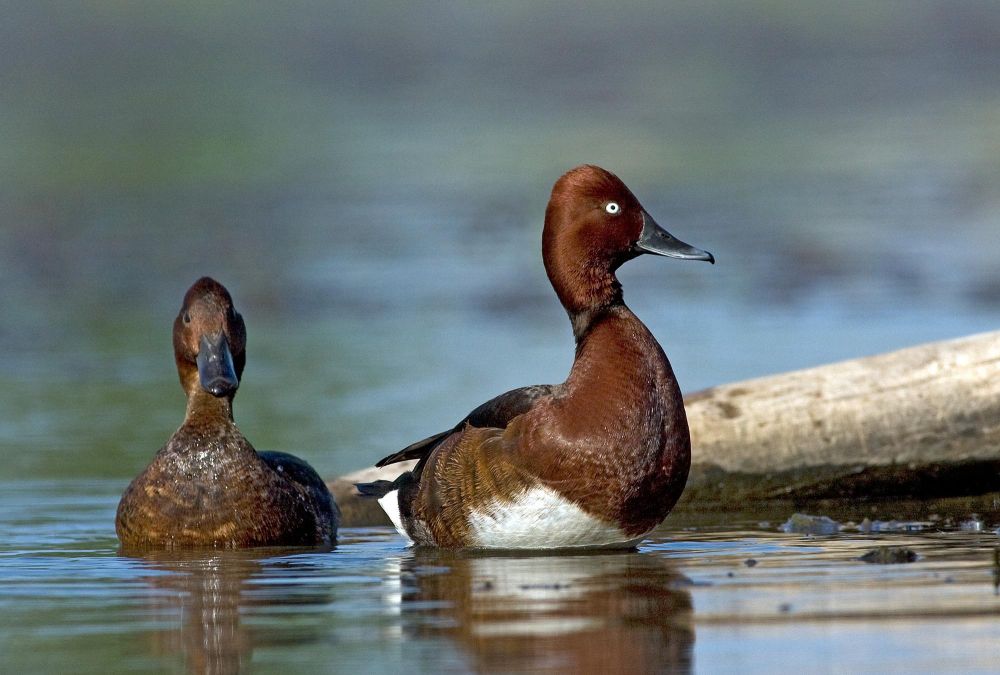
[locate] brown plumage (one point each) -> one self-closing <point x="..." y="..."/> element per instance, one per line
<point x="208" y="486"/>
<point x="611" y="440"/>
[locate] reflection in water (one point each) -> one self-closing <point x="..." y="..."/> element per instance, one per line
<point x="210" y="589"/>
<point x="593" y="613"/>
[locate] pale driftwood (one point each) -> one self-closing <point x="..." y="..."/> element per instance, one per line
<point x="870" y="422"/>
<point x="919" y="420"/>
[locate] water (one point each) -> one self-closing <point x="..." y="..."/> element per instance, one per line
<point x="687" y="600"/>
<point x="369" y="180"/>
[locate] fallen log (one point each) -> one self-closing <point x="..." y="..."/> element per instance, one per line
<point x="918" y="423"/>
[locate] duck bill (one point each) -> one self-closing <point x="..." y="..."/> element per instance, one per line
<point x="654" y="239"/>
<point x="215" y="366"/>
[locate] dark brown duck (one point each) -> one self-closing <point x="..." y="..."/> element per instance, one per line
<point x="208" y="486"/>
<point x="597" y="461"/>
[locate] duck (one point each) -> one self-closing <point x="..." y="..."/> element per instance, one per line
<point x="595" y="462"/>
<point x="208" y="486"/>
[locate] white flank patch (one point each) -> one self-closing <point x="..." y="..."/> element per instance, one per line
<point x="390" y="504"/>
<point x="541" y="518"/>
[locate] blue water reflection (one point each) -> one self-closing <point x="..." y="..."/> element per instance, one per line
<point x="687" y="600"/>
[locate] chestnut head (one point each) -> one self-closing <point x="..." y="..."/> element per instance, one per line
<point x="209" y="340"/>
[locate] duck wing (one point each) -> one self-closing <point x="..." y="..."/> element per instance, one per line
<point x="496" y="413"/>
<point x="299" y="471"/>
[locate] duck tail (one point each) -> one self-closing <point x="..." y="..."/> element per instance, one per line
<point x="377" y="489"/>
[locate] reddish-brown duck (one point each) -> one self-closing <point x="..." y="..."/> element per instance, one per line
<point x="208" y="486"/>
<point x="597" y="461"/>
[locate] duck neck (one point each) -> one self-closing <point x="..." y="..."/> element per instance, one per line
<point x="587" y="293"/>
<point x="203" y="407"/>
<point x="583" y="277"/>
<point x="584" y="320"/>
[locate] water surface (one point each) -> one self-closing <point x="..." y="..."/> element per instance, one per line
<point x="686" y="600"/>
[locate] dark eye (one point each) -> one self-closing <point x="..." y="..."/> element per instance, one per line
<point x="613" y="208"/>
<point x="187" y="318"/>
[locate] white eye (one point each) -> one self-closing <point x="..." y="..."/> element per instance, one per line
<point x="612" y="208"/>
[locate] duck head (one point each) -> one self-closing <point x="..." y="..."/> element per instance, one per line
<point x="593" y="224"/>
<point x="209" y="340"/>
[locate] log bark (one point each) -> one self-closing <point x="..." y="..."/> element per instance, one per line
<point x="922" y="422"/>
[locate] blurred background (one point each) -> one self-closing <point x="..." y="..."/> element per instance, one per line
<point x="369" y="180"/>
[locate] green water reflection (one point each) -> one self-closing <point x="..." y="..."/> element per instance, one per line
<point x="369" y="181"/>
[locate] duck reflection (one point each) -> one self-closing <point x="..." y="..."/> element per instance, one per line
<point x="209" y="591"/>
<point x="592" y="613"/>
